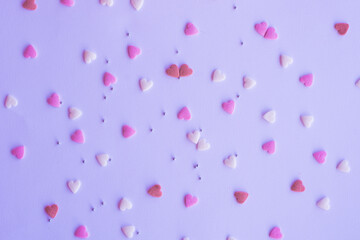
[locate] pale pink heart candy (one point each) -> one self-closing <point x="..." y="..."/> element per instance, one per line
<point x="269" y="147"/>
<point x="102" y="159"/>
<point x="230" y="161"/>
<point x="324" y="203"/>
<point x="30" y="52"/>
<point x="218" y="76"/>
<point x="125" y="204"/>
<point x="261" y="28"/>
<point x="357" y="83"/>
<point x="89" y="56"/>
<point x="190" y="200"/>
<point x="68" y="3"/>
<point x="194" y="136"/>
<point x="343" y="166"/>
<point x="145" y="84"/>
<point x="190" y="29"/>
<point x="74" y="113"/>
<point x="307" y="120"/>
<point x="231" y="238"/>
<point x="127" y="131"/>
<point x="54" y="100"/>
<point x="137" y="4"/>
<point x="228" y="106"/>
<point x="109" y="79"/>
<point x="18" y="152"/>
<point x="184" y="114"/>
<point x="285" y="61"/>
<point x="271" y="34"/>
<point x="203" y="145"/>
<point x="133" y="51"/>
<point x="185" y="238"/>
<point x="275" y="233"/>
<point x="128" y="231"/>
<point x="81" y="232"/>
<point x="109" y="3"/>
<point x="74" y="185"/>
<point x="320" y="156"/>
<point x="10" y="101"/>
<point x="307" y="79"/>
<point x="78" y="136"/>
<point x="248" y="82"/>
<point x="270" y="116"/>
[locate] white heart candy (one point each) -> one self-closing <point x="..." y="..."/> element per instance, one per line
<point x="285" y="61"/>
<point x="10" y="101"/>
<point x="218" y="76"/>
<point x="248" y="82"/>
<point x="324" y="203"/>
<point x="128" y="231"/>
<point x="270" y="116"/>
<point x="125" y="204"/>
<point x="74" y="113"/>
<point x="343" y="166"/>
<point x="89" y="56"/>
<point x="202" y="145"/>
<point x="307" y="120"/>
<point x="185" y="238"/>
<point x="103" y="159"/>
<point x="230" y="161"/>
<point x="194" y="136"/>
<point x="230" y="238"/>
<point x="145" y="84"/>
<point x="74" y="186"/>
<point x="357" y="83"/>
<point x="137" y="4"/>
<point x="109" y="3"/>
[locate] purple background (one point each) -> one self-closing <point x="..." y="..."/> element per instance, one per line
<point x="60" y="34"/>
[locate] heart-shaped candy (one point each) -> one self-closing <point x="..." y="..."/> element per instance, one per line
<point x="248" y="82"/>
<point x="297" y="186"/>
<point x="285" y="61"/>
<point x="231" y="238"/>
<point x="133" y="51"/>
<point x="270" y="116"/>
<point x="74" y="113"/>
<point x="155" y="191"/>
<point x="74" y="185"/>
<point x="320" y="156"/>
<point x="102" y="159"/>
<point x="127" y="131"/>
<point x="241" y="196"/>
<point x="81" y="232"/>
<point x="307" y="79"/>
<point x="307" y="120"/>
<point x="271" y="34"/>
<point x="52" y="210"/>
<point x="269" y="147"/>
<point x="190" y="200"/>
<point x="54" y="100"/>
<point x="109" y="3"/>
<point x="173" y="71"/>
<point x="89" y="56"/>
<point x="125" y="204"/>
<point x="230" y="161"/>
<point x="341" y="28"/>
<point x="261" y="28"/>
<point x="194" y="136"/>
<point x="343" y="166"/>
<point x="190" y="29"/>
<point x="30" y="52"/>
<point x="10" y="101"/>
<point x="218" y="76"/>
<point x="78" y="136"/>
<point x="29" y="5"/>
<point x="128" y="231"/>
<point x="324" y="203"/>
<point x="145" y="84"/>
<point x="109" y="79"/>
<point x="184" y="114"/>
<point x="275" y="233"/>
<point x="18" y="152"/>
<point x="357" y="83"/>
<point x="185" y="70"/>
<point x="68" y="3"/>
<point x="228" y="106"/>
<point x="137" y="4"/>
<point x="203" y="145"/>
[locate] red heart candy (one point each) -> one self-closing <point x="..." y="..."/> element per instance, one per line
<point x="29" y="5"/>
<point x="241" y="196"/>
<point x="185" y="71"/>
<point x="173" y="71"/>
<point x="155" y="191"/>
<point x="297" y="186"/>
<point x="51" y="210"/>
<point x="342" y="28"/>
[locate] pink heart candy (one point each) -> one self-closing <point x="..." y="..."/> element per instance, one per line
<point x="108" y="79"/>
<point x="127" y="131"/>
<point x="78" y="136"/>
<point x="307" y="79"/>
<point x="29" y="52"/>
<point x="184" y="114"/>
<point x="54" y="100"/>
<point x="18" y="152"/>
<point x="133" y="51"/>
<point x="68" y="3"/>
<point x="81" y="232"/>
<point x="269" y="147"/>
<point x="261" y="28"/>
<point x="190" y="29"/>
<point x="271" y="34"/>
<point x="320" y="156"/>
<point x="275" y="233"/>
<point x="190" y="200"/>
<point x="228" y="106"/>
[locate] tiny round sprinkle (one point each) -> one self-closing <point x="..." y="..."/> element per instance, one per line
<point x="58" y="142"/>
<point x="199" y="178"/>
<point x="102" y="203"/>
<point x="173" y="158"/>
<point x="163" y="113"/>
<point x="83" y="161"/>
<point x="109" y="159"/>
<point x="176" y="51"/>
<point x="103" y="120"/>
<point x="104" y="97"/>
<point x="127" y="34"/>
<point x="234" y="7"/>
<point x="237" y="96"/>
<point x="200" y="130"/>
<point x="111" y="88"/>
<point x="93" y="209"/>
<point x="151" y="129"/>
<point x="60" y="102"/>
<point x="49" y="220"/>
<point x="241" y="43"/>
<point x="107" y="61"/>
<point x="196" y="165"/>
